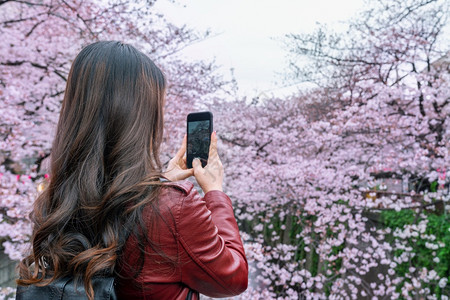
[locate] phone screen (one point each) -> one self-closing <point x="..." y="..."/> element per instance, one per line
<point x="198" y="140"/>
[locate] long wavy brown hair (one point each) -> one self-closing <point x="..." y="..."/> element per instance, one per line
<point x="105" y="166"/>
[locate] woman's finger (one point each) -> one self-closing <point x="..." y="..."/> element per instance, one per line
<point x="183" y="163"/>
<point x="182" y="149"/>
<point x="196" y="166"/>
<point x="187" y="173"/>
<point x="213" y="146"/>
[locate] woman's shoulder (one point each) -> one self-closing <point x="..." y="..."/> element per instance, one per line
<point x="178" y="200"/>
<point x="184" y="186"/>
<point x="171" y="201"/>
<point x="176" y="193"/>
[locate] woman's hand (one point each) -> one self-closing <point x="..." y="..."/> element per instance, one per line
<point x="177" y="169"/>
<point x="211" y="177"/>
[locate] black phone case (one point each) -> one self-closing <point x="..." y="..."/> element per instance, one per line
<point x="192" y="117"/>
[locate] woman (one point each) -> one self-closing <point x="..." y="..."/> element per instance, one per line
<point x="109" y="209"/>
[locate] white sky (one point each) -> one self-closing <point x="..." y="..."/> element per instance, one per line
<point x="245" y="34"/>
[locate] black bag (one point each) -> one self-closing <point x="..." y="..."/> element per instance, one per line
<point x="64" y="289"/>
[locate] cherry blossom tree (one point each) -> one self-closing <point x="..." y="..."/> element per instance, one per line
<point x="306" y="187"/>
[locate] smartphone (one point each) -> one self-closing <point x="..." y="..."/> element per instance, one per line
<point x="199" y="130"/>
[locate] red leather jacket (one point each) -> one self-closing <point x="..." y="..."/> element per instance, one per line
<point x="201" y="235"/>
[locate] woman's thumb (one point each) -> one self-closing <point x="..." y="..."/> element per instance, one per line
<point x="196" y="164"/>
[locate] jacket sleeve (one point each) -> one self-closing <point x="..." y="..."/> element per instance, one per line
<point x="212" y="256"/>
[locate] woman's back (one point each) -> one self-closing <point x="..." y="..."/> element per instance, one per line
<point x="105" y="189"/>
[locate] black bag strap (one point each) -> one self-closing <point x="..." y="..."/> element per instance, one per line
<point x="189" y="295"/>
<point x="53" y="291"/>
<point x="66" y="289"/>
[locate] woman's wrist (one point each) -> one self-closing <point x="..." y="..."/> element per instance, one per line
<point x="212" y="188"/>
